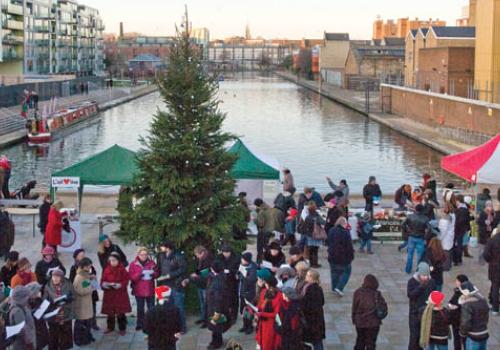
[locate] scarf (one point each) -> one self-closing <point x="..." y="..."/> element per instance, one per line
<point x="425" y="326"/>
<point x="25" y="276"/>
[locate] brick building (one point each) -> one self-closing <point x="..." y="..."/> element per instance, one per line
<point x="401" y="27"/>
<point x="333" y="57"/>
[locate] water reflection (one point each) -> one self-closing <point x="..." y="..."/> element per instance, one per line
<point x="309" y="134"/>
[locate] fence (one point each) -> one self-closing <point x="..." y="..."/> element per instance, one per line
<point x="12" y="95"/>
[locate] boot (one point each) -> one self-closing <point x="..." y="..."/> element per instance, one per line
<point x="466" y="252"/>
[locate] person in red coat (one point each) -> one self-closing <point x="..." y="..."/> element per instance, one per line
<point x="53" y="231"/>
<point x="115" y="303"/>
<point x="269" y="303"/>
<point x="142" y="274"/>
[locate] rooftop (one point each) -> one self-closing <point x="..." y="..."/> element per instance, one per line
<point x="455" y="32"/>
<point x="146" y="58"/>
<point x="336" y="36"/>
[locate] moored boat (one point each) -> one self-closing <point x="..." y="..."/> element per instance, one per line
<point x="45" y="129"/>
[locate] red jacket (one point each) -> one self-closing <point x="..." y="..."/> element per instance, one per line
<point x="115" y="301"/>
<point x="267" y="337"/>
<point x="142" y="287"/>
<point x="54" y="228"/>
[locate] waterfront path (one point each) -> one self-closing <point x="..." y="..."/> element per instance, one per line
<point x="387" y="264"/>
<point x="12" y="125"/>
<point x="355" y="100"/>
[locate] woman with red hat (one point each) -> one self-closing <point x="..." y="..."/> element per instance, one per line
<point x="115" y="302"/>
<point x="435" y="324"/>
<point x="48" y="263"/>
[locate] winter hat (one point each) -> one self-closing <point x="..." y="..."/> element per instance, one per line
<point x="467" y="199"/>
<point x="226" y="248"/>
<point x="467" y="288"/>
<point x="423" y="269"/>
<point x="264" y="274"/>
<point x="285" y="270"/>
<point x="371" y="178"/>
<point x="163" y="292"/>
<point x="295" y="250"/>
<point x="247" y="256"/>
<point x="57" y="272"/>
<point x="275" y="245"/>
<point x="290" y="293"/>
<point x="13" y="256"/>
<point x="436" y="298"/>
<point x="48" y="250"/>
<point x="33" y="289"/>
<point x="102" y="238"/>
<point x="20" y="296"/>
<point x="78" y="251"/>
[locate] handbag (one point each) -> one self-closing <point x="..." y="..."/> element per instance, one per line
<point x="319" y="232"/>
<point x="380" y="311"/>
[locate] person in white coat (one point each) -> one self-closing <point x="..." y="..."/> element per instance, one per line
<point x="447" y="234"/>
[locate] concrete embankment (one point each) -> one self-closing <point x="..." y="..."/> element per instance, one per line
<point x="103" y="101"/>
<point x="419" y="132"/>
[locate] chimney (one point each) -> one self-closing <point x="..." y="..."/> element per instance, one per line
<point x="121" y="30"/>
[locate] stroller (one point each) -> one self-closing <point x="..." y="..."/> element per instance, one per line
<point x="24" y="192"/>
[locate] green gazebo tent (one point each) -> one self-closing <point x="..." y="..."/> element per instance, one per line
<point x="252" y="169"/>
<point x="114" y="166"/>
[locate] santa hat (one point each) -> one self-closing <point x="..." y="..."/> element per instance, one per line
<point x="436" y="298"/>
<point x="163" y="292"/>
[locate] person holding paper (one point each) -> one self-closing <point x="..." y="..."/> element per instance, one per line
<point x="48" y="263"/>
<point x="231" y="262"/>
<point x="269" y="303"/>
<point x="290" y="318"/>
<point x="274" y="255"/>
<point x="20" y="311"/>
<point x="37" y="304"/>
<point x="59" y="291"/>
<point x="79" y="255"/>
<point x="247" y="275"/>
<point x="217" y="305"/>
<point x="142" y="272"/>
<point x="24" y="274"/>
<point x="200" y="277"/>
<point x="83" y="302"/>
<point x="115" y="303"/>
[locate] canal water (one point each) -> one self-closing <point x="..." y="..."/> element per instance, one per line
<point x="311" y="135"/>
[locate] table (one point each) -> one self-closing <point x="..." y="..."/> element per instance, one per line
<point x="24" y="211"/>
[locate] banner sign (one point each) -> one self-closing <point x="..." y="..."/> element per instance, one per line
<point x="65" y="182"/>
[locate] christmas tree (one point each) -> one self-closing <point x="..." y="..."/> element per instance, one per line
<point x="184" y="188"/>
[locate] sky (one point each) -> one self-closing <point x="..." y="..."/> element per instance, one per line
<point x="292" y="19"/>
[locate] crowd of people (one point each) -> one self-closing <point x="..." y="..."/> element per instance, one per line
<point x="277" y="293"/>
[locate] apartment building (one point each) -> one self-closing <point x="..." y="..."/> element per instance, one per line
<point x="50" y="37"/>
<point x="399" y="28"/>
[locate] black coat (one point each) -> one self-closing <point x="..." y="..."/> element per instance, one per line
<point x="437" y="266"/>
<point x="418" y="294"/>
<point x="291" y="329"/>
<point x="248" y="284"/>
<point x="455" y="312"/>
<point x="103" y="257"/>
<point x="277" y="260"/>
<point x="203" y="264"/>
<point x="417" y="225"/>
<point x="370" y="191"/>
<point x="216" y="300"/>
<point x="340" y="248"/>
<point x="174" y="265"/>
<point x="161" y="323"/>
<point x="332" y="216"/>
<point x="484" y="233"/>
<point x="312" y="306"/>
<point x="42" y="267"/>
<point x="42" y="332"/>
<point x="7" y="274"/>
<point x="44" y="215"/>
<point x="492" y="256"/>
<point x="462" y="222"/>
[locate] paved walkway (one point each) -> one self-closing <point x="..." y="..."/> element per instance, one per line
<point x="387" y="264"/>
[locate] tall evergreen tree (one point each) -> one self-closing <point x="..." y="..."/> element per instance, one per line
<point x="184" y="186"/>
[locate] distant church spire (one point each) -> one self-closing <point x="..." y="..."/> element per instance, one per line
<point x="248" y="36"/>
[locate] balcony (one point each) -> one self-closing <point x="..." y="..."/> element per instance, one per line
<point x="14" y="9"/>
<point x="43" y="42"/>
<point x="10" y="55"/>
<point x="41" y="29"/>
<point x="14" y="25"/>
<point x="11" y="39"/>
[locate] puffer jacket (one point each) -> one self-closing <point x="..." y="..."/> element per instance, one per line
<point x="474" y="317"/>
<point x="417" y="225"/>
<point x="141" y="286"/>
<point x="492" y="256"/>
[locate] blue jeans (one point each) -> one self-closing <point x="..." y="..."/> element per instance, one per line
<point x="437" y="347"/>
<point x="403" y="245"/>
<point x="417" y="244"/>
<point x="340" y="275"/>
<point x="318" y="345"/>
<point x="475" y="345"/>
<point x="202" y="297"/>
<point x="178" y="297"/>
<point x="366" y="243"/>
<point x="141" y="304"/>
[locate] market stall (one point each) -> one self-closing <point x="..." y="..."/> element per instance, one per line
<point x="252" y="170"/>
